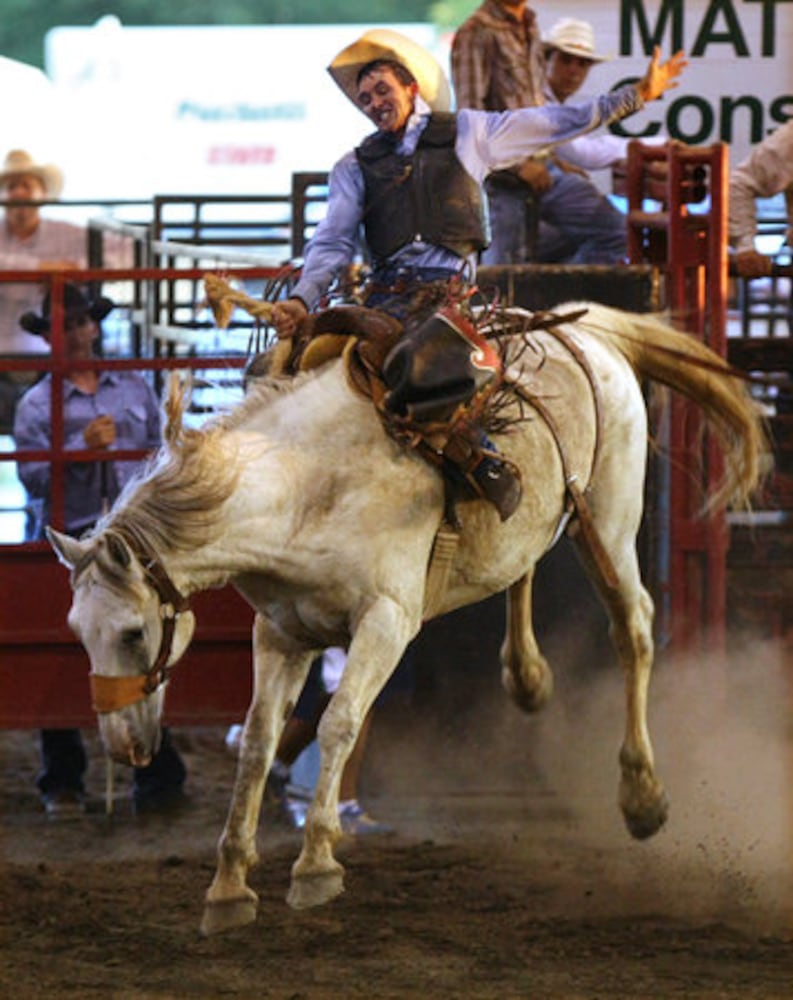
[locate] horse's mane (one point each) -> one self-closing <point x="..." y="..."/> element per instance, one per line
<point x="260" y="393"/>
<point x="176" y="502"/>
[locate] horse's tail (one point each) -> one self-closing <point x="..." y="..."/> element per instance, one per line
<point x="659" y="352"/>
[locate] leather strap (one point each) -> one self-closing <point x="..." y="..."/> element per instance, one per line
<point x="583" y="522"/>
<point x="444" y="549"/>
<point x="111" y="693"/>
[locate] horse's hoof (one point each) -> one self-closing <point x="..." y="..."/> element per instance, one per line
<point x="306" y="891"/>
<point x="528" y="699"/>
<point x="225" y="915"/>
<point x="646" y="821"/>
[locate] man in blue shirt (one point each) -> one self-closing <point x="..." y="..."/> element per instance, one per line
<point x="415" y="189"/>
<point x="101" y="410"/>
<point x="402" y="90"/>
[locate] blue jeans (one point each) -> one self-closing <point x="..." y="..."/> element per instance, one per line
<point x="577" y="225"/>
<point x="64" y="763"/>
<point x="386" y="295"/>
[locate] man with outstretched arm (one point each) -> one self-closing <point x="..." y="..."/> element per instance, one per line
<point x="415" y="184"/>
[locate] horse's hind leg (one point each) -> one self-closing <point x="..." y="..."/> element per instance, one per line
<point x="641" y="797"/>
<point x="525" y="674"/>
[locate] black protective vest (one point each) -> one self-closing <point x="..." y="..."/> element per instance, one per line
<point x="426" y="197"/>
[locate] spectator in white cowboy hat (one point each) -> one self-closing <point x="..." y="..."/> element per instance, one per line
<point x="31" y="242"/>
<point x="570" y="53"/>
<point x="569" y="46"/>
<point x="578" y="224"/>
<point x="28" y="241"/>
<point x="415" y="185"/>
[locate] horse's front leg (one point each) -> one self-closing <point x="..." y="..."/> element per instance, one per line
<point x="374" y="652"/>
<point x="278" y="680"/>
<point x="525" y="674"/>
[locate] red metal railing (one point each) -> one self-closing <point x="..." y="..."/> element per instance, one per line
<point x="43" y="669"/>
<point x="691" y="247"/>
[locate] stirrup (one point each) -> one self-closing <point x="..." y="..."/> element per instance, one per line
<point x="486" y="473"/>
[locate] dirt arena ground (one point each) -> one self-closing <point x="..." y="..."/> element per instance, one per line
<point x="510" y="876"/>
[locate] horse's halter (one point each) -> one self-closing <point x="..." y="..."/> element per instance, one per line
<point x="109" y="694"/>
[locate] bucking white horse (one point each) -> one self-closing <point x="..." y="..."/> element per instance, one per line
<point x="301" y="500"/>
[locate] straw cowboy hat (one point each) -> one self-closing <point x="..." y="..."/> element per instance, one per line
<point x="574" y="37"/>
<point x="382" y="43"/>
<point x="18" y="162"/>
<point x="75" y="305"/>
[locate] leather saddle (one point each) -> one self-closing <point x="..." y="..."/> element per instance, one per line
<point x="430" y="384"/>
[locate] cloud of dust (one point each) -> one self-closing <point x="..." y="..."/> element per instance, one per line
<point x="724" y="751"/>
<point x="722" y="739"/>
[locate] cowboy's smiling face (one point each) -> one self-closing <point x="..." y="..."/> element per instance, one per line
<point x="385" y="100"/>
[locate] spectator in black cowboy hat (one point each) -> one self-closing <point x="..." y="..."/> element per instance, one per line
<point x="101" y="410"/>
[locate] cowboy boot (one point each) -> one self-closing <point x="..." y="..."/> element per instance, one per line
<point x="484" y="470"/>
<point x="500" y="484"/>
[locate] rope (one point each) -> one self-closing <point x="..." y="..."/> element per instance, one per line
<point x="222" y="298"/>
<point x="444" y="550"/>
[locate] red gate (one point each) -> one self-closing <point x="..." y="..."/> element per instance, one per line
<point x="691" y="248"/>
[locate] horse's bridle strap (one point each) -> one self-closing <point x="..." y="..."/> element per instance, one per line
<point x="163" y="584"/>
<point x="172" y="604"/>
<point x="108" y="694"/>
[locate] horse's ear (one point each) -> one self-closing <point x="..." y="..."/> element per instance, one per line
<point x="185" y="626"/>
<point x="118" y="550"/>
<point x="69" y="550"/>
<point x="176" y="401"/>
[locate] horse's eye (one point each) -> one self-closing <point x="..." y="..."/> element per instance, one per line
<point x="132" y="637"/>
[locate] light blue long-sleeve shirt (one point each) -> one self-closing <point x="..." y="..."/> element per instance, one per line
<point x="128" y="399"/>
<point x="486" y="141"/>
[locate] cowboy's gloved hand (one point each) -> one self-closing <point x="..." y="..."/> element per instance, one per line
<point x="287" y="317"/>
<point x="100" y="433"/>
<point x="751" y="264"/>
